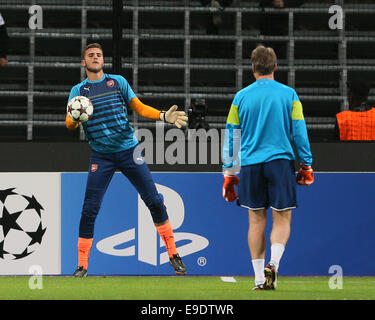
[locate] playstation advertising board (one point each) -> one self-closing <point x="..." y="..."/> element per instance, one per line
<point x="125" y="238"/>
<point x="40" y="214"/>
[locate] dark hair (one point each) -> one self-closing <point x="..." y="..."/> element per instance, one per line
<point x="359" y="91"/>
<point x="91" y="45"/>
<point x="264" y="60"/>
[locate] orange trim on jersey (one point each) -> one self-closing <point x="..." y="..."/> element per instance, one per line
<point x="356" y="125"/>
<point x="144" y="110"/>
<point x="70" y="124"/>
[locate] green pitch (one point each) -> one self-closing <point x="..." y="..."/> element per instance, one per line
<point x="182" y="288"/>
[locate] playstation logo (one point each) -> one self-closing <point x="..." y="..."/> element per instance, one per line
<point x="149" y="241"/>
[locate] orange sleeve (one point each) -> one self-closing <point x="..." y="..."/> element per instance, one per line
<point x="70" y="124"/>
<point x="144" y="110"/>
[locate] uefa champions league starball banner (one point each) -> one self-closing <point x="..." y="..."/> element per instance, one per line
<point x="30" y="223"/>
<point x="40" y="214"/>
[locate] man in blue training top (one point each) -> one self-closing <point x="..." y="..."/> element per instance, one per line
<point x="270" y="118"/>
<point x="113" y="144"/>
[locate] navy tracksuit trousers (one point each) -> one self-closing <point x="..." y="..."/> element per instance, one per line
<point x="102" y="168"/>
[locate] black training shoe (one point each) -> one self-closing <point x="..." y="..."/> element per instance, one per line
<point x="258" y="287"/>
<point x="177" y="264"/>
<point x="80" y="273"/>
<point x="271" y="277"/>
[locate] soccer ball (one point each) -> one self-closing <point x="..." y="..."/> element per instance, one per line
<point x="80" y="109"/>
<point x="21" y="225"/>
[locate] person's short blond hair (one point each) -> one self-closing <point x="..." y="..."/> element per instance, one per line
<point x="90" y="46"/>
<point x="264" y="60"/>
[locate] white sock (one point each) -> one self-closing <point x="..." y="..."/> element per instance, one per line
<point x="258" y="266"/>
<point x="277" y="250"/>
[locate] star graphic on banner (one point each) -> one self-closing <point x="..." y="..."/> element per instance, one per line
<point x="36" y="236"/>
<point x="8" y="221"/>
<point x="22" y="255"/>
<point x="6" y="192"/>
<point x="34" y="204"/>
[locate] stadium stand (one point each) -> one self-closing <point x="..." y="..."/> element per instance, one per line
<point x="168" y="58"/>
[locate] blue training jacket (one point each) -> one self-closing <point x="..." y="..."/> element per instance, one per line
<point x="264" y="121"/>
<point x="109" y="129"/>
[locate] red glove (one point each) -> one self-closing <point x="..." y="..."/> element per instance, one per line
<point x="305" y="175"/>
<point x="229" y="192"/>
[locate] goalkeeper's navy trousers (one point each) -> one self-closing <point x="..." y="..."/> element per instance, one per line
<point x="101" y="170"/>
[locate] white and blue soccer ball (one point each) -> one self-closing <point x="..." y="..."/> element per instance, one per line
<point x="80" y="109"/>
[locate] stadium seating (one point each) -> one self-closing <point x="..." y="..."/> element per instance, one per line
<point x="169" y="57"/>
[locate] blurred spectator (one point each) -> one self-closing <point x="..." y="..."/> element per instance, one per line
<point x="217" y="6"/>
<point x="3" y="43"/>
<point x="274" y="24"/>
<point x="357" y="123"/>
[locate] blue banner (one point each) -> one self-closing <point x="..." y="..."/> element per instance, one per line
<point x="331" y="226"/>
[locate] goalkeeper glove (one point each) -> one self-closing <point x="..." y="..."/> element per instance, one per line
<point x="305" y="175"/>
<point x="178" y="118"/>
<point x="229" y="192"/>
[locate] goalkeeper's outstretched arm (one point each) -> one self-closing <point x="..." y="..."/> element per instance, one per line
<point x="144" y="110"/>
<point x="178" y="118"/>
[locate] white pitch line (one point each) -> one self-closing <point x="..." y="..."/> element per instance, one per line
<point x="228" y="279"/>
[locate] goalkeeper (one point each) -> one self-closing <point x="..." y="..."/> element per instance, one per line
<point x="269" y="117"/>
<point x="112" y="142"/>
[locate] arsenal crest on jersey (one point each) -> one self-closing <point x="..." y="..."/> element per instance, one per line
<point x="94" y="167"/>
<point x="110" y="83"/>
